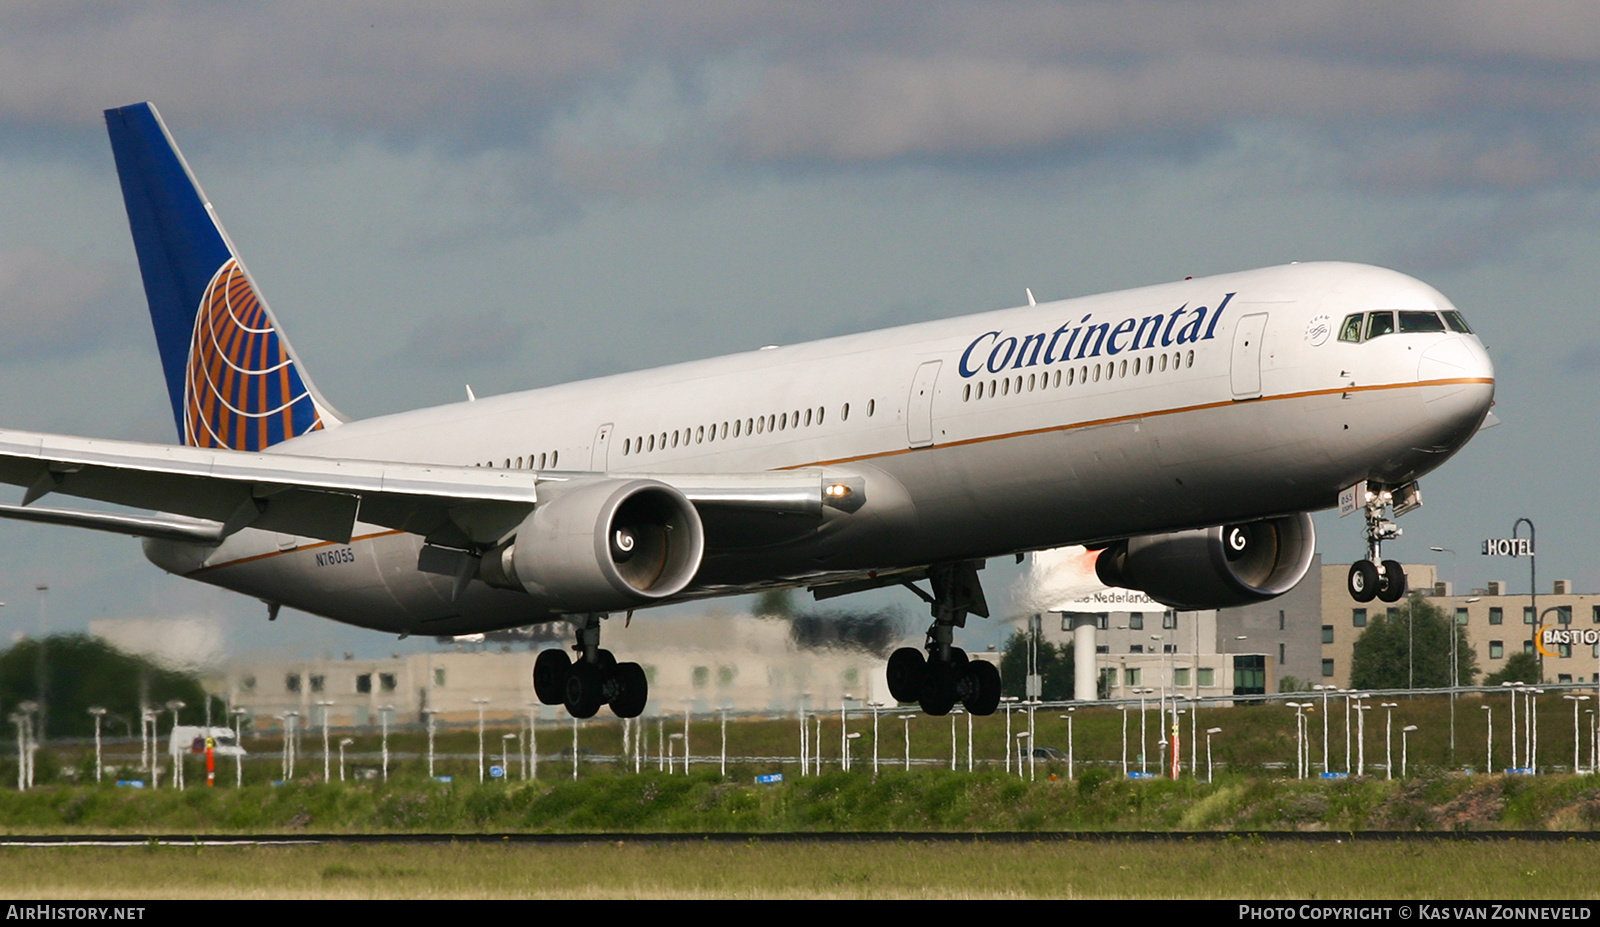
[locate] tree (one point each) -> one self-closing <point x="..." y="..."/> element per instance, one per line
<point x="1055" y="668"/>
<point x="1410" y="647"/>
<point x="1520" y="667"/>
<point x="78" y="671"/>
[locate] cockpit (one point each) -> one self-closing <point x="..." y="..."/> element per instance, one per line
<point x="1365" y="326"/>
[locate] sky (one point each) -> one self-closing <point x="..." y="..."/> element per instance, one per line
<point x="516" y="194"/>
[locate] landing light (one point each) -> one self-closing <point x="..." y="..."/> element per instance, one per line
<point x="837" y="491"/>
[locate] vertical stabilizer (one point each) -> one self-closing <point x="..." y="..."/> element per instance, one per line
<point x="233" y="380"/>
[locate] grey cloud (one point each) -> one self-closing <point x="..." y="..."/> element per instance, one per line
<point x="52" y="305"/>
<point x="459" y="342"/>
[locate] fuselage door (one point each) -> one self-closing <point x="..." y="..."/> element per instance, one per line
<point x="1246" y="369"/>
<point x="600" y="452"/>
<point x="919" y="408"/>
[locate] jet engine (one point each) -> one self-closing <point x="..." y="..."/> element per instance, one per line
<point x="601" y="546"/>
<point x="1215" y="567"/>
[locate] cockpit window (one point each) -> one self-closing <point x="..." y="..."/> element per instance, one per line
<point x="1379" y="323"/>
<point x="1351" y="329"/>
<point x="1420" y="322"/>
<point x="1456" y="322"/>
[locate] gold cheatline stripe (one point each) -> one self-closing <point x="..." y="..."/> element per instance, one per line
<point x="279" y="553"/>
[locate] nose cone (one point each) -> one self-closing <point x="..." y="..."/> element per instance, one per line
<point x="1457" y="383"/>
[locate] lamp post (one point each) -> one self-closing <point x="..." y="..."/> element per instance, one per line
<point x="1324" y="690"/>
<point x="1533" y="586"/>
<point x="1209" y="732"/>
<point x="907" y="720"/>
<point x="99" y="713"/>
<point x="325" y="705"/>
<point x="480" y="702"/>
<point x="1006" y="701"/>
<point x="1023" y="743"/>
<point x="1361" y="737"/>
<point x="238" y="740"/>
<point x="1575" y="699"/>
<point x="1403" y="752"/>
<point x="291" y="720"/>
<point x="384" y="711"/>
<point x="343" y="742"/>
<point x="844" y="733"/>
<point x="429" y="714"/>
<point x="1512" y="688"/>
<point x="1388" y="738"/>
<point x="1124" y="709"/>
<point x="1070" y="740"/>
<point x="174" y="706"/>
<point x="1299" y="738"/>
<point x="505" y="755"/>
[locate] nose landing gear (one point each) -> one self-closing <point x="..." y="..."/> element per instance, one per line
<point x="946" y="676"/>
<point x="594" y="679"/>
<point x="1375" y="577"/>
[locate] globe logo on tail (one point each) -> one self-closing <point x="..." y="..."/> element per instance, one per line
<point x="241" y="388"/>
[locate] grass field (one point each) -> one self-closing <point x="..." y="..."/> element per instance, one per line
<point x="1239" y="868"/>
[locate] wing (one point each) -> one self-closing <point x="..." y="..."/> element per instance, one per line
<point x="207" y="494"/>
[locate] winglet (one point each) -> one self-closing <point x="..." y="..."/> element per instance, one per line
<point x="231" y="376"/>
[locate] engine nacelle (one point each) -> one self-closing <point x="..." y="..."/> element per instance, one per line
<point x="1214" y="567"/>
<point x="602" y="546"/>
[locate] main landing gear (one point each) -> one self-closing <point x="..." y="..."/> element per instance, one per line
<point x="945" y="676"/>
<point x="594" y="679"/>
<point x="1376" y="577"/>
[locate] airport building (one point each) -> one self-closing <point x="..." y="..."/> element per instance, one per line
<point x="741" y="663"/>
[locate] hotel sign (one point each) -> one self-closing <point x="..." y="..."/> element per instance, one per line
<point x="1508" y="547"/>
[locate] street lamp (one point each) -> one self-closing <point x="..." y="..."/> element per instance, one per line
<point x="907" y="720"/>
<point x="1209" y="732"/>
<point x="1403" y="732"/>
<point x="1070" y="740"/>
<point x="99" y="713"/>
<point x="1575" y="699"/>
<point x="1361" y="737"/>
<point x="384" y="711"/>
<point x="343" y="742"/>
<point x="177" y="759"/>
<point x="480" y="702"/>
<point x="238" y="741"/>
<point x="429" y="713"/>
<point x="1299" y="738"/>
<point x="324" y="705"/>
<point x="1388" y="738"/>
<point x="505" y="755"/>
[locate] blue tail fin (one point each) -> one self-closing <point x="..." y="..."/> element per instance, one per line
<point x="232" y="377"/>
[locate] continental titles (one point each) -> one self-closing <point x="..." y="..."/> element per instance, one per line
<point x="996" y="351"/>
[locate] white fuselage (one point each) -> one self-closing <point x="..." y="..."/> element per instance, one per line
<point x="1187" y="404"/>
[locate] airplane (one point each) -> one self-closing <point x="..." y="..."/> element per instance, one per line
<point x="1184" y="429"/>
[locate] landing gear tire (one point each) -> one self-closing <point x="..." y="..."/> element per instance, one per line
<point x="1363" y="581"/>
<point x="550" y="671"/>
<point x="1392" y="581"/>
<point x="632" y="690"/>
<point x="905" y="672"/>
<point x="585" y="690"/>
<point x="980" y="685"/>
<point x="938" y="690"/>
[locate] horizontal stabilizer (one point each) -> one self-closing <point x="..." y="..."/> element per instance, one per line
<point x="163" y="527"/>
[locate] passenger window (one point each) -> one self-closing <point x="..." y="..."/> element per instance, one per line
<point x="1380" y="323"/>
<point x="1351" y="330"/>
<point x="1415" y="322"/>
